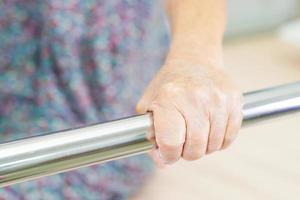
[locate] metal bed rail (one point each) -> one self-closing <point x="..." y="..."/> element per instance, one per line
<point x="39" y="156"/>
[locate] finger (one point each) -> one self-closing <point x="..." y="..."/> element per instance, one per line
<point x="159" y="162"/>
<point x="218" y="124"/>
<point x="169" y="128"/>
<point x="234" y="125"/>
<point x="197" y="136"/>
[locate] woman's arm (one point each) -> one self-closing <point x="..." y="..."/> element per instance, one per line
<point x="196" y="106"/>
<point x="197" y="28"/>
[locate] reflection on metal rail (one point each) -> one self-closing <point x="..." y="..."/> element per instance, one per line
<point x="39" y="156"/>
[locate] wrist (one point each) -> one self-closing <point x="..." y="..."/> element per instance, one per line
<point x="196" y="50"/>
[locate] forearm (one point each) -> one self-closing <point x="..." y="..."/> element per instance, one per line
<point x="197" y="28"/>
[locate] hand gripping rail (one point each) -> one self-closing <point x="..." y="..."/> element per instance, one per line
<point x="39" y="156"/>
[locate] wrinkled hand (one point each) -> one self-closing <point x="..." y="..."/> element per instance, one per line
<point x="196" y="110"/>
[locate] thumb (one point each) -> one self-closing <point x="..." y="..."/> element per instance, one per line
<point x="142" y="106"/>
<point x="144" y="103"/>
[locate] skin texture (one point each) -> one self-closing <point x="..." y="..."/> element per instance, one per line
<point x="197" y="108"/>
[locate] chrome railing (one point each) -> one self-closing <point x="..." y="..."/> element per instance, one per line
<point x="30" y="158"/>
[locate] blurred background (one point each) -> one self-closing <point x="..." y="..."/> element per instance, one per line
<point x="247" y="17"/>
<point x="262" y="49"/>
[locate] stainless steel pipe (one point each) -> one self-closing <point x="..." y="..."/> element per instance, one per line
<point x="54" y="153"/>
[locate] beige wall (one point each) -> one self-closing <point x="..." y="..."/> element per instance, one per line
<point x="246" y="16"/>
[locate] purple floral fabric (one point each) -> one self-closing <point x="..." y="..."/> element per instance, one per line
<point x="65" y="63"/>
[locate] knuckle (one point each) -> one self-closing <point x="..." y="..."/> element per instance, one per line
<point x="172" y="89"/>
<point x="228" y="96"/>
<point x="221" y="97"/>
<point x="218" y="101"/>
<point x="236" y="100"/>
<point x="237" y="96"/>
<point x="237" y="106"/>
<point x="202" y="96"/>
<point x="200" y="91"/>
<point x="236" y="93"/>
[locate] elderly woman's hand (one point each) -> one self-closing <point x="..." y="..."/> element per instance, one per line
<point x="196" y="110"/>
<point x="196" y="107"/>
